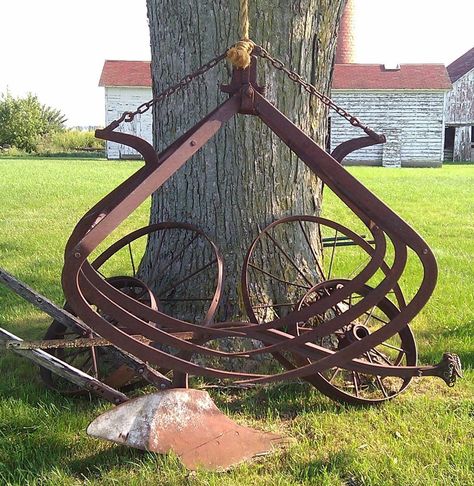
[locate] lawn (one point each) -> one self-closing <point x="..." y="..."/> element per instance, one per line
<point x="424" y="437"/>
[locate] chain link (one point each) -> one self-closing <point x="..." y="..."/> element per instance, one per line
<point x="128" y="116"/>
<point x="296" y="78"/>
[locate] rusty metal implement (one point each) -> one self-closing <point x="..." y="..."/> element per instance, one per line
<point x="344" y="331"/>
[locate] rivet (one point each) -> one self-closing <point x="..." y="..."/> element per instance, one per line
<point x="193" y="143"/>
<point x="77" y="255"/>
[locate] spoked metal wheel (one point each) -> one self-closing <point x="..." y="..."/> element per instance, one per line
<point x="181" y="262"/>
<point x="97" y="361"/>
<point x="290" y="256"/>
<point x="352" y="386"/>
<point x="299" y="259"/>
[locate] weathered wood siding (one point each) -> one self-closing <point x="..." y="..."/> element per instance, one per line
<point x="459" y="113"/>
<point x="118" y="100"/>
<point x="412" y="121"/>
<point x="460" y="101"/>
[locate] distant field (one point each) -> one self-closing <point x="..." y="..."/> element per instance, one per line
<point x="424" y="437"/>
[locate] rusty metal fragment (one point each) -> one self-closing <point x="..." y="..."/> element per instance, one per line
<point x="187" y="423"/>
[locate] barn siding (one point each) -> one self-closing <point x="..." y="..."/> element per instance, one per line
<point x="415" y="118"/>
<point x="460" y="101"/>
<point x="460" y="114"/>
<point x="118" y="100"/>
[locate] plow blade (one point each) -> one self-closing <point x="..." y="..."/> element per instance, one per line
<point x="186" y="422"/>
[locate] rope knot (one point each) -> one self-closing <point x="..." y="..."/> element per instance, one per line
<point x="239" y="54"/>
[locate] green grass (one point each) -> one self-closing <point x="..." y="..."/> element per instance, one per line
<point x="424" y="437"/>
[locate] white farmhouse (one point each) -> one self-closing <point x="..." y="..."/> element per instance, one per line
<point x="127" y="85"/>
<point x="459" y="137"/>
<point x="404" y="102"/>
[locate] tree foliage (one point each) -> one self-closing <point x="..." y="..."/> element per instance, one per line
<point x="24" y="121"/>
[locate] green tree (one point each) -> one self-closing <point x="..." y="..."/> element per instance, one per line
<point x="24" y="121"/>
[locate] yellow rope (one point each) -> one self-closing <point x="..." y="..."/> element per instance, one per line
<point x="239" y="53"/>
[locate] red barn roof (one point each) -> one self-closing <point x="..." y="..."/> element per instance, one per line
<point x="346" y="76"/>
<point x="376" y="76"/>
<point x="126" y="73"/>
<point x="462" y="65"/>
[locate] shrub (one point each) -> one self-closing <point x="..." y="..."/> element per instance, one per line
<point x="69" y="141"/>
<point x="24" y="121"/>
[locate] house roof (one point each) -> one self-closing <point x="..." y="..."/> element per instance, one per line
<point x="346" y="76"/>
<point x="462" y="65"/>
<point x="377" y="76"/>
<point x="126" y="73"/>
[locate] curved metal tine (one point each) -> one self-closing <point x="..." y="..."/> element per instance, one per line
<point x="285" y="254"/>
<point x="349" y="146"/>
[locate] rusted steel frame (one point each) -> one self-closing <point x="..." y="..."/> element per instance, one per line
<point x="65" y="370"/>
<point x="111" y="250"/>
<point x="363" y="203"/>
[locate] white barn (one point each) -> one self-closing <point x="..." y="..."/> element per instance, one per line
<point x="459" y="135"/>
<point x="405" y="102"/>
<point x="127" y="85"/>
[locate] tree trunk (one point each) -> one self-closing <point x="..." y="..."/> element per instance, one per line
<point x="245" y="177"/>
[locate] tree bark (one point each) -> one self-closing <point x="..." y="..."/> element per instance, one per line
<point x="245" y="177"/>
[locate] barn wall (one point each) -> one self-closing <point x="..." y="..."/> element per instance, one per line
<point x="118" y="100"/>
<point x="411" y="120"/>
<point x="460" y="101"/>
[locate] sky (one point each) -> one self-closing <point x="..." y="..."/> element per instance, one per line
<point x="56" y="48"/>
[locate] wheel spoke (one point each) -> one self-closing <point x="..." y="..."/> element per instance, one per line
<point x="308" y="242"/>
<point x="377" y="377"/>
<point x="177" y="256"/>
<point x="278" y="278"/>
<point x="354" y="380"/>
<point x="391" y="346"/>
<point x="334" y="374"/>
<point x="185" y="279"/>
<point x="332" y="255"/>
<point x="132" y="261"/>
<point x="380" y="355"/>
<point x="290" y="260"/>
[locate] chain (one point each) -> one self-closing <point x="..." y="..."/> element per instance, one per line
<point x="128" y="116"/>
<point x="296" y="78"/>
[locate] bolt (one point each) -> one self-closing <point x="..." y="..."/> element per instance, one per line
<point x="141" y="371"/>
<point x="193" y="143"/>
<point x="77" y="255"/>
<point x="425" y="251"/>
